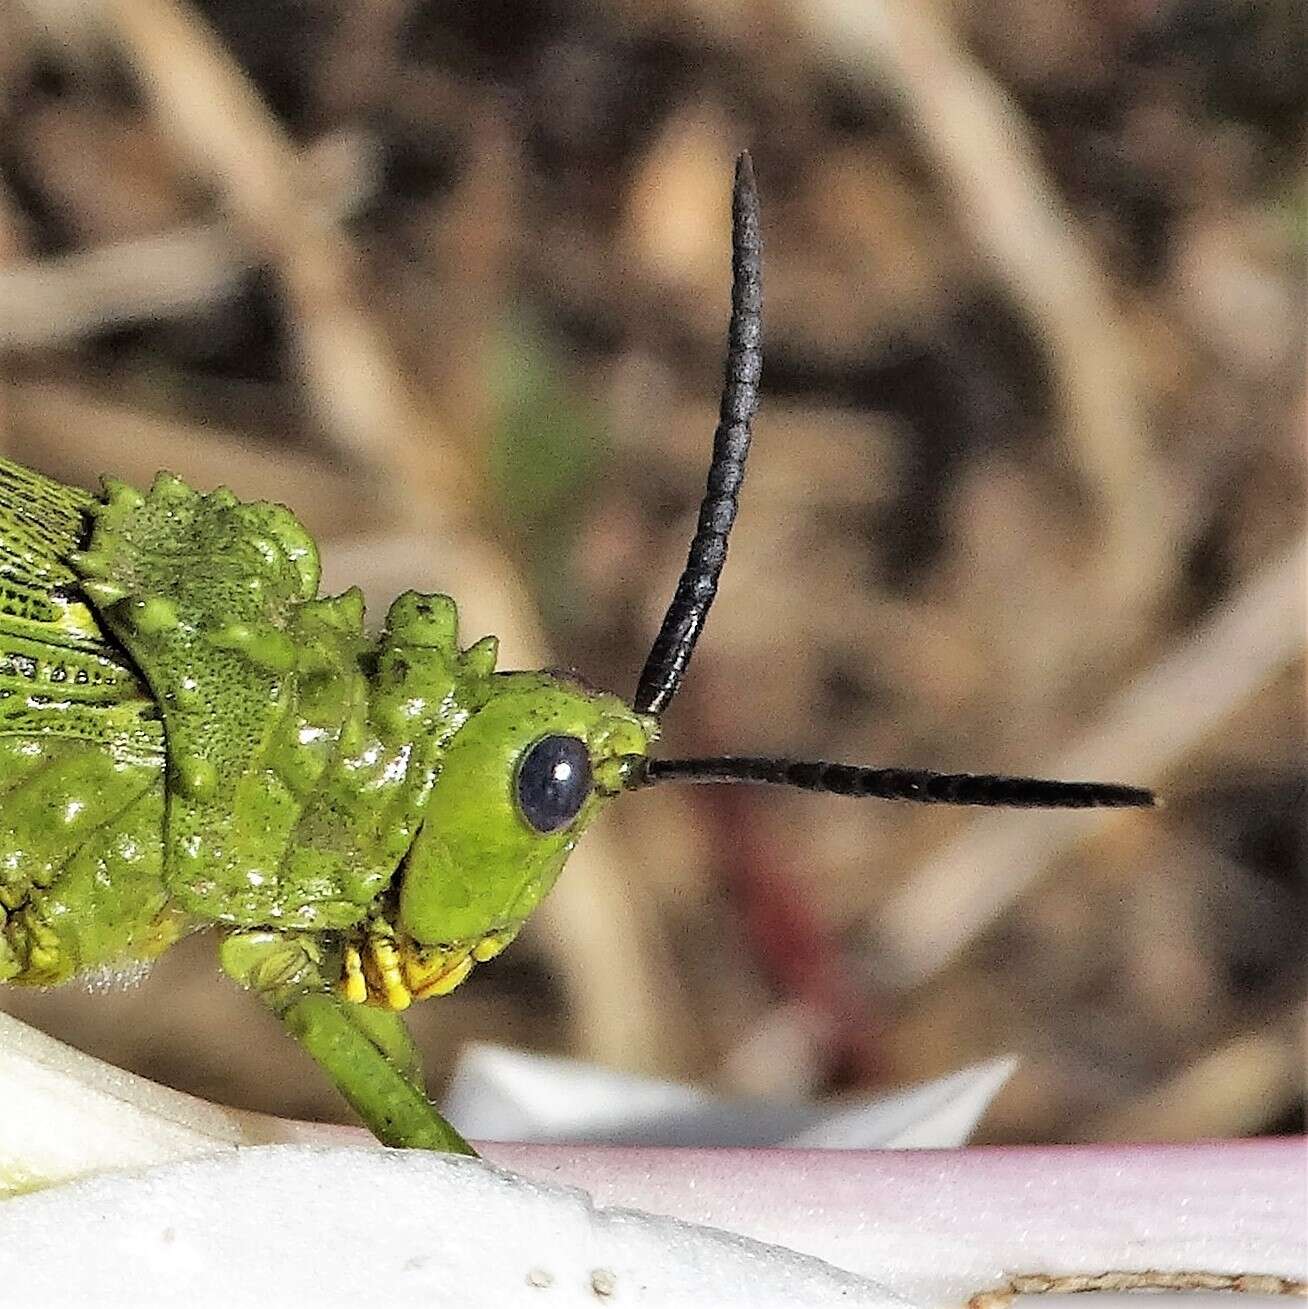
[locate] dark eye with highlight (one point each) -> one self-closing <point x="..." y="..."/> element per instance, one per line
<point x="553" y="782"/>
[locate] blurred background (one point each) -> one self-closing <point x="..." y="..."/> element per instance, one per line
<point x="1027" y="492"/>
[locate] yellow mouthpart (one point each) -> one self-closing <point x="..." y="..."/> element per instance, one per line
<point x="378" y="968"/>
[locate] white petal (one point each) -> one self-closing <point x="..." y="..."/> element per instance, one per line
<point x="298" y="1225"/>
<point x="939" y="1226"/>
<point x="513" y="1095"/>
<point x="933" y="1116"/>
<point x="64" y="1114"/>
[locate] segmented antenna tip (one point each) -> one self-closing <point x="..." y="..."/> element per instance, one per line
<point x="698" y="584"/>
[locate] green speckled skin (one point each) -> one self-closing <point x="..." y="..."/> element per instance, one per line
<point x="189" y="735"/>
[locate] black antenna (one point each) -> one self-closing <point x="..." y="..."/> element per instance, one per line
<point x="675" y="642"/>
<point x="894" y="783"/>
<point x="699" y="583"/>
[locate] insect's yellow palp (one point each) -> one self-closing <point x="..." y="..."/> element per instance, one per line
<point x="447" y="980"/>
<point x="389" y="976"/>
<point x="437" y="971"/>
<point x="354" y="986"/>
<point x="391" y="972"/>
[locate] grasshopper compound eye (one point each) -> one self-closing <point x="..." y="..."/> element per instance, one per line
<point x="554" y="780"/>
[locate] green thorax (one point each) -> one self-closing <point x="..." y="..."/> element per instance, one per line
<point x="300" y="755"/>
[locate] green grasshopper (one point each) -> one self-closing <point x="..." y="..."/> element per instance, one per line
<point x="191" y="736"/>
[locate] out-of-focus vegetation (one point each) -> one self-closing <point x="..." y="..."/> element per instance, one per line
<point x="1027" y="492"/>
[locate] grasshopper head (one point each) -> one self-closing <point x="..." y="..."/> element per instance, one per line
<point x="519" y="783"/>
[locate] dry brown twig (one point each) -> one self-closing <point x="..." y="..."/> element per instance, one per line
<point x="44" y="302"/>
<point x="222" y="131"/>
<point x="983" y="151"/>
<point x="1232" y="1090"/>
<point x="1158" y="722"/>
<point x="1120" y="1281"/>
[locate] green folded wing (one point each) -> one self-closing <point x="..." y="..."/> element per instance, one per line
<point x="81" y="758"/>
<point x="61" y="675"/>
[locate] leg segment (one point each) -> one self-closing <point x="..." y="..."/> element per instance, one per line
<point x="367" y="1052"/>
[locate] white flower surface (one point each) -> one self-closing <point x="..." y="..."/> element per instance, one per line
<point x="313" y="1225"/>
<point x="125" y="1193"/>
